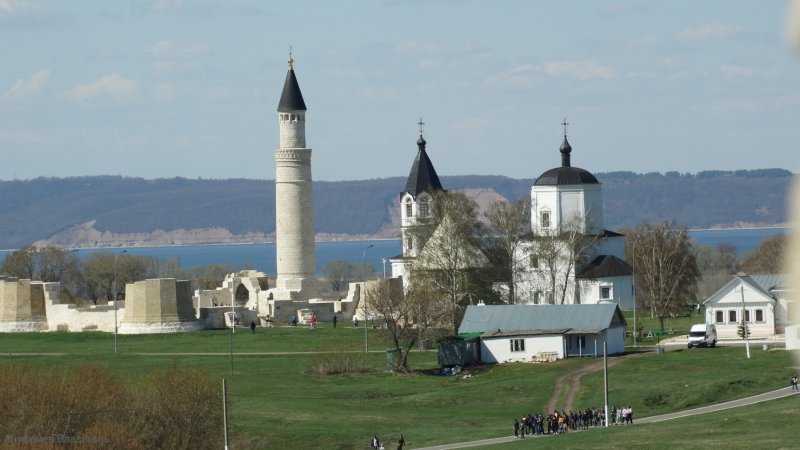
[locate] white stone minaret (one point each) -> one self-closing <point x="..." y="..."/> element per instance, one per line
<point x="294" y="212"/>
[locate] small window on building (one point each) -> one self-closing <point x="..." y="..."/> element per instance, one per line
<point x="732" y="316"/>
<point x="720" y="317"/>
<point x="517" y="345"/>
<point x="545" y="219"/>
<point x="759" y="315"/>
<point x="410" y="244"/>
<point x="409" y="209"/>
<point x="537" y="297"/>
<point x="605" y="292"/>
<point x="534" y="261"/>
<point x="747" y="315"/>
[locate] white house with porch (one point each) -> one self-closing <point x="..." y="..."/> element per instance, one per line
<point x="511" y="333"/>
<point x="761" y="299"/>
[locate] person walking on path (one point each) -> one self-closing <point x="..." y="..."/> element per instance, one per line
<point x="794" y="382"/>
<point x="401" y="442"/>
<point x="334" y="321"/>
<point x="252" y="327"/>
<point x="375" y="442"/>
<point x="313" y="321"/>
<point x="516" y="429"/>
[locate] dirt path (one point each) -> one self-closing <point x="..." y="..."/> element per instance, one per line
<point x="568" y="384"/>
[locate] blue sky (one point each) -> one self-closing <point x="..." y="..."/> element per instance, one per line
<point x="190" y="88"/>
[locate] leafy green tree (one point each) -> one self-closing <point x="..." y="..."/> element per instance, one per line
<point x="338" y="273"/>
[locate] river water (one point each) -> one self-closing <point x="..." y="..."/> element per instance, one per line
<point x="262" y="256"/>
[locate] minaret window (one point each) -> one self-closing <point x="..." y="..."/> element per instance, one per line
<point x="409" y="209"/>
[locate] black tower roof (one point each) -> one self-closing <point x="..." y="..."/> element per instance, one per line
<point x="566" y="174"/>
<point x="423" y="177"/>
<point x="291" y="97"/>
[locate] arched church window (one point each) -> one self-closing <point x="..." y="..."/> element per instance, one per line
<point x="409" y="208"/>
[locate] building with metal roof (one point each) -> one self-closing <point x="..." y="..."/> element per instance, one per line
<point x="521" y="332"/>
<point x="762" y="300"/>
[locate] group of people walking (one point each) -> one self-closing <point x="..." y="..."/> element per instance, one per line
<point x="375" y="443"/>
<point x="559" y="422"/>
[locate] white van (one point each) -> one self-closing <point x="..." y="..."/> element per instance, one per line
<point x="703" y="335"/>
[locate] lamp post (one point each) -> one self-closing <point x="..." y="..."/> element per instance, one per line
<point x="633" y="257"/>
<point x="115" y="300"/>
<point x="745" y="331"/>
<point x="383" y="260"/>
<point x="366" y="317"/>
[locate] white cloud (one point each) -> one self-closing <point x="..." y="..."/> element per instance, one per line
<point x="708" y="31"/>
<point x="26" y="86"/>
<point x="168" y="50"/>
<point x="746" y="71"/>
<point x="113" y="85"/>
<point x="579" y="69"/>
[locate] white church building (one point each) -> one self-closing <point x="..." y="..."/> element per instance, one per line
<point x="572" y="258"/>
<point x="416" y="210"/>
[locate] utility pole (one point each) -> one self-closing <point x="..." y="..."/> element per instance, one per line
<point x="745" y="330"/>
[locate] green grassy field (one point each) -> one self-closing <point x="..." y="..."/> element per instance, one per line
<point x="276" y="404"/>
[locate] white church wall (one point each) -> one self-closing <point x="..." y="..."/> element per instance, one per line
<point x="620" y="291"/>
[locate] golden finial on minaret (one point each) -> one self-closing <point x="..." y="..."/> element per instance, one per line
<point x="291" y="61"/>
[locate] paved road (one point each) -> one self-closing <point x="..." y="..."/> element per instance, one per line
<point x="781" y="393"/>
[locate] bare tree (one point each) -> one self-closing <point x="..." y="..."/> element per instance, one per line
<point x="510" y="229"/>
<point x="557" y="255"/>
<point x="452" y="254"/>
<point x="666" y="266"/>
<point x="767" y="257"/>
<point x="408" y="315"/>
<point x="20" y="263"/>
<point x="338" y="273"/>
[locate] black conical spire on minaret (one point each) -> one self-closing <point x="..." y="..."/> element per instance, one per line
<point x="423" y="177"/>
<point x="291" y="97"/>
<point x="565" y="149"/>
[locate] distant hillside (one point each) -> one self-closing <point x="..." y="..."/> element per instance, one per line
<point x="113" y="210"/>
